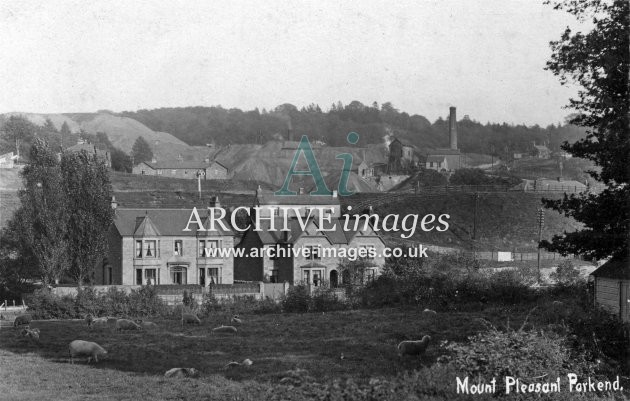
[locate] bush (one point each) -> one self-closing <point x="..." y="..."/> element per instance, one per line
<point x="43" y="304"/>
<point x="296" y="300"/>
<point x="325" y="300"/>
<point x="566" y="274"/>
<point x="525" y="354"/>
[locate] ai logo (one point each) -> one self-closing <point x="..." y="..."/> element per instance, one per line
<point x="313" y="169"/>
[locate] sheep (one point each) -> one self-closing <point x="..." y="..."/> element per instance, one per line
<point x="413" y="347"/>
<point x="233" y="364"/>
<point x="225" y="329"/>
<point x="80" y="347"/>
<point x="182" y="372"/>
<point x="189" y="318"/>
<point x="33" y="334"/>
<point x="557" y="303"/>
<point x="89" y="319"/>
<point x="429" y="312"/>
<point x="99" y="322"/>
<point x="148" y="325"/>
<point x="126" y="324"/>
<point x="22" y="320"/>
<point x="236" y="319"/>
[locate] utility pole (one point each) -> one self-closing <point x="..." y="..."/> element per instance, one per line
<point x="474" y="233"/>
<point x="541" y="223"/>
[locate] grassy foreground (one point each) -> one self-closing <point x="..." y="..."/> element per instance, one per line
<point x="136" y="362"/>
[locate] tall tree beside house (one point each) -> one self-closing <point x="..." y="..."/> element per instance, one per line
<point x="120" y="160"/>
<point x="16" y="131"/>
<point x="141" y="151"/>
<point x="88" y="193"/>
<point x="18" y="265"/>
<point x="43" y="213"/>
<point x="598" y="62"/>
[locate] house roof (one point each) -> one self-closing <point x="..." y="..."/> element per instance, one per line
<point x="176" y="164"/>
<point x="269" y="198"/>
<point x="445" y="152"/>
<point x="615" y="268"/>
<point x="163" y="222"/>
<point x="403" y="142"/>
<point x="435" y="158"/>
<point x="337" y="235"/>
<point x="541" y="148"/>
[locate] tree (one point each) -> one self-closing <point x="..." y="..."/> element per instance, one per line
<point x="598" y="62"/>
<point x="88" y="194"/>
<point x="141" y="151"/>
<point x="42" y="215"/>
<point x="120" y="160"/>
<point x="17" y="130"/>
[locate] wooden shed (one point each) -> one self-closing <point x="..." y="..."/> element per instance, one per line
<point x="612" y="287"/>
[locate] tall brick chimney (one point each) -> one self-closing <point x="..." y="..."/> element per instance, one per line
<point x="452" y="128"/>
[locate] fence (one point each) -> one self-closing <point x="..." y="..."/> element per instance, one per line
<point x="8" y="313"/>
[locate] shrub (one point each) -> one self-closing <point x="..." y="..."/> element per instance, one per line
<point x="146" y="302"/>
<point x="525" y="354"/>
<point x="325" y="300"/>
<point x="566" y="274"/>
<point x="296" y="300"/>
<point x="43" y="304"/>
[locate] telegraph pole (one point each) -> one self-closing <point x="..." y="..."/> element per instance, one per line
<point x="541" y="223"/>
<point x="474" y="233"/>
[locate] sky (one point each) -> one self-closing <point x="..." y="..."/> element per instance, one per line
<point x="486" y="57"/>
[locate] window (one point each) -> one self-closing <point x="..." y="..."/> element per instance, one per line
<point x="312" y="276"/>
<point x="313" y="252"/>
<point x="178" y="275"/>
<point x="178" y="248"/>
<point x="369" y="252"/>
<point x="370" y="274"/>
<point x="274" y="276"/>
<point x="213" y="275"/>
<point x="150" y="249"/>
<point x="138" y="248"/>
<point x="138" y="276"/>
<point x="143" y="172"/>
<point x="159" y="172"/>
<point x="150" y="276"/>
<point x="147" y="249"/>
<point x="204" y="245"/>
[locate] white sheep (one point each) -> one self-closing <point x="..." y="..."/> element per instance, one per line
<point x="413" y="347"/>
<point x="80" y="347"/>
<point x="33" y="334"/>
<point x="189" y="318"/>
<point x="99" y="322"/>
<point x="225" y="329"/>
<point x="236" y="319"/>
<point x="182" y="372"/>
<point x="126" y="324"/>
<point x="148" y="325"/>
<point x="429" y="312"/>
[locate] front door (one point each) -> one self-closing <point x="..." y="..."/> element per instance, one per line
<point x="138" y="276"/>
<point x="334" y="279"/>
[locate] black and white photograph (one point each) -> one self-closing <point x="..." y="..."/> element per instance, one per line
<point x="315" y="200"/>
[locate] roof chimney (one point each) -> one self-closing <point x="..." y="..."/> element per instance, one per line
<point x="452" y="128"/>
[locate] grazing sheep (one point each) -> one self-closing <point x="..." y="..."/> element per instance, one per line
<point x="99" y="322"/>
<point x="232" y="364"/>
<point x="89" y="319"/>
<point x="22" y="320"/>
<point x="189" y="318"/>
<point x="33" y="334"/>
<point x="80" y="347"/>
<point x="148" y="325"/>
<point x="247" y="362"/>
<point x="236" y="319"/>
<point x="126" y="324"/>
<point x="413" y="347"/>
<point x="182" y="372"/>
<point x="557" y="303"/>
<point x="225" y="329"/>
<point x="429" y="312"/>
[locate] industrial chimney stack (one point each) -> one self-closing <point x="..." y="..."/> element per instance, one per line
<point x="452" y="128"/>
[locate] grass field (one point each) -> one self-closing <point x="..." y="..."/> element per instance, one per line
<point x="136" y="362"/>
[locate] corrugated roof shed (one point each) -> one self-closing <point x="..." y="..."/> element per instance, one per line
<point x="615" y="269"/>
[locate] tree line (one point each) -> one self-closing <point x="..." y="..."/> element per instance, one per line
<point x="203" y="125"/>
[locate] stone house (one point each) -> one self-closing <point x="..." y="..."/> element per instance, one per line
<point x="151" y="246"/>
